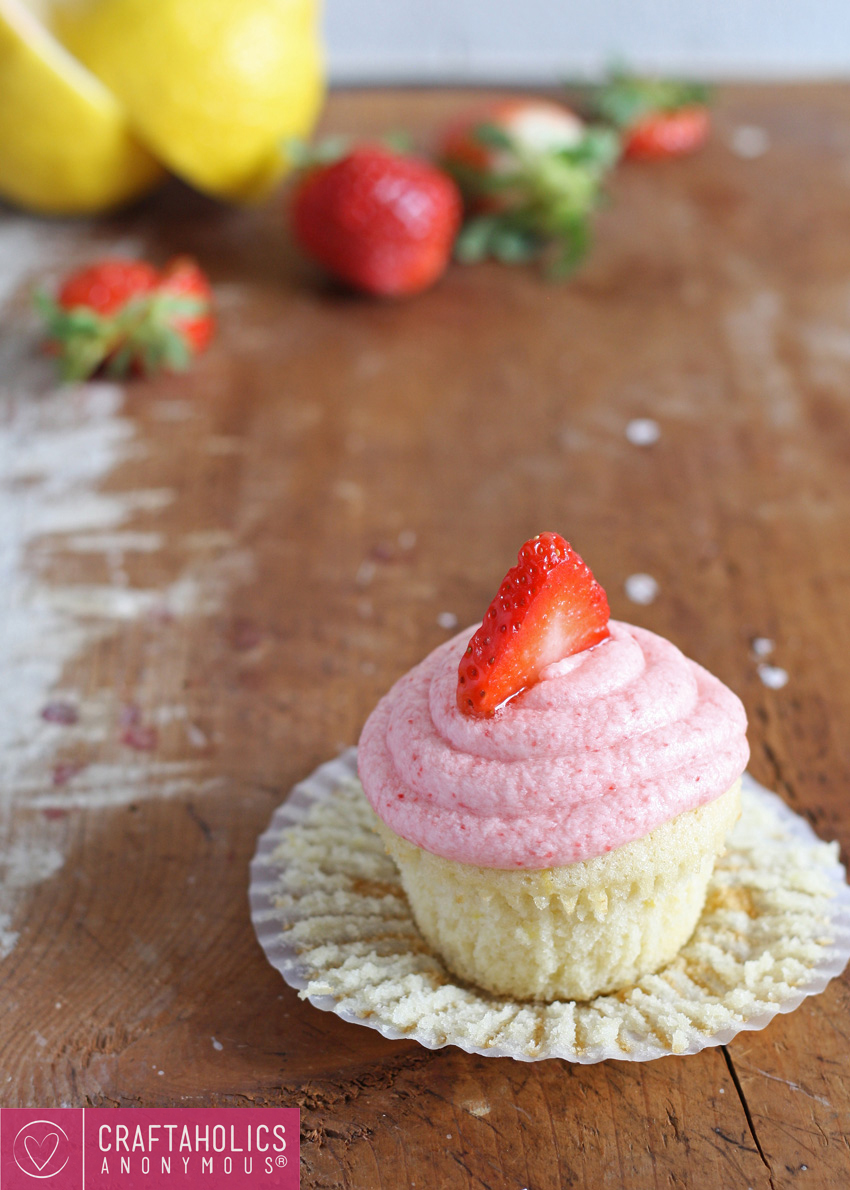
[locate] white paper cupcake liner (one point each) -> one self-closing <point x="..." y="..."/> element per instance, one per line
<point x="331" y="916"/>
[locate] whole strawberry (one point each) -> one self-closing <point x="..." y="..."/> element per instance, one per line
<point x="531" y="173"/>
<point x="122" y="316"/>
<point x="383" y="222"/>
<point x="656" y="118"/>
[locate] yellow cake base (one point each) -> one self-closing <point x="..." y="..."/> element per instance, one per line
<point x="571" y="932"/>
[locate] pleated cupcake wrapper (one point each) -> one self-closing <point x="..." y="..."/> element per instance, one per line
<point x="330" y="913"/>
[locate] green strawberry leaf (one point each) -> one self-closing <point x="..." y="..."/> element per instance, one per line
<point x="571" y="252"/>
<point x="514" y="245"/>
<point x="598" y="147"/>
<point x="82" y="338"/>
<point x="398" y="140"/>
<point x="494" y="137"/>
<point x="304" y="155"/>
<point x="626" y="98"/>
<point x="474" y="240"/>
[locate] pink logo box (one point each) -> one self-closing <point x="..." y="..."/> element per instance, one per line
<point x="151" y="1148"/>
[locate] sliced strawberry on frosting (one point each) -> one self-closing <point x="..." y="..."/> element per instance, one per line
<point x="548" y="607"/>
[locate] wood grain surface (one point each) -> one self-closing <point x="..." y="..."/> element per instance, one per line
<point x="220" y="574"/>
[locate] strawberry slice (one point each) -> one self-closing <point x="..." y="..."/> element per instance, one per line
<point x="548" y="607"/>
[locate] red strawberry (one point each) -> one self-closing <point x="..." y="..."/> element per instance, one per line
<point x="123" y="315"/>
<point x="108" y="286"/>
<point x="382" y="222"/>
<point x="548" y="607"/>
<point x="531" y="173"/>
<point x="656" y="117"/>
<point x="183" y="278"/>
<point x="667" y="134"/>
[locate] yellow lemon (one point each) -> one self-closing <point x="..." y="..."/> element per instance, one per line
<point x="214" y="88"/>
<point x="65" y="146"/>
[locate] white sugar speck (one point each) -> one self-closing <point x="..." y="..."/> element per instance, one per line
<point x="407" y="539"/>
<point x="762" y="646"/>
<point x="643" y="431"/>
<point x="773" y="676"/>
<point x="447" y="620"/>
<point x="641" y="588"/>
<point x="160" y="1072"/>
<point x="216" y="1044"/>
<point x="749" y="141"/>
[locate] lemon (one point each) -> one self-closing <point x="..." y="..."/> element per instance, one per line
<point x="214" y="88"/>
<point x="65" y="146"/>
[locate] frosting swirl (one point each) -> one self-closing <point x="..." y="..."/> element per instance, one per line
<point x="607" y="745"/>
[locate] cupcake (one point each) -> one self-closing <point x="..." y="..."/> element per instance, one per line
<point x="556" y="789"/>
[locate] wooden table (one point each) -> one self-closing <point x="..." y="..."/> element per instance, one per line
<point x="218" y="575"/>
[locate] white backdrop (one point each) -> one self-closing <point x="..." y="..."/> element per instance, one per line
<point x="546" y="40"/>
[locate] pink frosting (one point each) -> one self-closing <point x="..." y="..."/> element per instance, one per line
<point x="606" y="746"/>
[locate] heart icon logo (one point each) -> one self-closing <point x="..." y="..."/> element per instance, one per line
<point x="45" y="1149"/>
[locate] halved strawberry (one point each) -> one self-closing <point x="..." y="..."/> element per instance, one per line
<point x="529" y="125"/>
<point x="531" y="173"/>
<point x="548" y="607"/>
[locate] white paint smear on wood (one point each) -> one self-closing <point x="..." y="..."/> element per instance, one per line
<point x="58" y="446"/>
<point x="754" y="330"/>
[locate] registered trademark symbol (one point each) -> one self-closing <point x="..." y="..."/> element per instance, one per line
<point x="281" y="1161"/>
